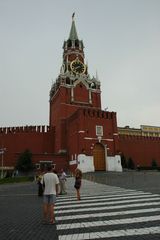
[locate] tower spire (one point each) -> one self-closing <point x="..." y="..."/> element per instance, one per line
<point x="73" y="32"/>
<point x="73" y="16"/>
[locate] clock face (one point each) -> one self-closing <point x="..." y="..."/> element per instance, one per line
<point x="77" y="67"/>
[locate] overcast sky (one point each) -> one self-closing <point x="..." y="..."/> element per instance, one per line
<point x="122" y="43"/>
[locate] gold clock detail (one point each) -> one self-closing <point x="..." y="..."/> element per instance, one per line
<point x="77" y="66"/>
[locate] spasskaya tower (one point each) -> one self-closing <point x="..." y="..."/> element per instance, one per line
<point x="73" y="88"/>
<point x="82" y="131"/>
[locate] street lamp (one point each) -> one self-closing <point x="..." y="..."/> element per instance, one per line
<point x="2" y="150"/>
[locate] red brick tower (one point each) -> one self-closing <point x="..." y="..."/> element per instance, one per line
<point x="73" y="88"/>
<point x="75" y="111"/>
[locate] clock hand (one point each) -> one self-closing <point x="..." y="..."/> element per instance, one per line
<point x="77" y="67"/>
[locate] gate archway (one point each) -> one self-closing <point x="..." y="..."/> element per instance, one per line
<point x="99" y="157"/>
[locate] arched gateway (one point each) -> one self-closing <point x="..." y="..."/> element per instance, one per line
<point x="99" y="157"/>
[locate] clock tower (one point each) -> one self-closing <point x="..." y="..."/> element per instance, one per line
<point x="84" y="134"/>
<point x="73" y="88"/>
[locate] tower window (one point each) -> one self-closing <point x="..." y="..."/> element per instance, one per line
<point x="99" y="130"/>
<point x="67" y="80"/>
<point x="76" y="43"/>
<point x="69" y="43"/>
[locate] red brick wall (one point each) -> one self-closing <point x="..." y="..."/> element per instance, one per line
<point x="81" y="131"/>
<point x="142" y="150"/>
<point x="17" y="140"/>
<point x="81" y="94"/>
<point x="62" y="108"/>
<point x="96" y="99"/>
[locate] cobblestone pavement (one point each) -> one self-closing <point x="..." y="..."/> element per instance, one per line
<point x="21" y="214"/>
<point x="120" y="208"/>
<point x="140" y="180"/>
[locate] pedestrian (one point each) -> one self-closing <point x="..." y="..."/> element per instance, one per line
<point x="62" y="179"/>
<point x="78" y="181"/>
<point x="50" y="183"/>
<point x="40" y="186"/>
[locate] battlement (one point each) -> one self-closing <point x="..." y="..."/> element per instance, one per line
<point x="98" y="113"/>
<point x="140" y="138"/>
<point x="23" y="129"/>
<point x="93" y="113"/>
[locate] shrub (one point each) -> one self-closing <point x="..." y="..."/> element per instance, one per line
<point x="24" y="162"/>
<point x="130" y="164"/>
<point x="16" y="179"/>
<point x="123" y="161"/>
<point x="154" y="164"/>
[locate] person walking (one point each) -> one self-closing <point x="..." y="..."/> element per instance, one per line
<point x="78" y="181"/>
<point x="62" y="179"/>
<point x="50" y="183"/>
<point x="39" y="183"/>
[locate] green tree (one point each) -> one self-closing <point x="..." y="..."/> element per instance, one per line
<point x="123" y="161"/>
<point x="130" y="163"/>
<point x="154" y="164"/>
<point x="24" y="162"/>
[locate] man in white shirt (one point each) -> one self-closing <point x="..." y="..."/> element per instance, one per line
<point x="50" y="182"/>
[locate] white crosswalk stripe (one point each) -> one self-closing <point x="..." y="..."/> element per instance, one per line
<point x="111" y="203"/>
<point x="96" y="216"/>
<point x="101" y="198"/>
<point x="109" y="222"/>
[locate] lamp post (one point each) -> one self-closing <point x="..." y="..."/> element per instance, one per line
<point x="2" y="150"/>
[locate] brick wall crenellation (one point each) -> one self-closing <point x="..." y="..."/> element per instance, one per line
<point x="22" y="129"/>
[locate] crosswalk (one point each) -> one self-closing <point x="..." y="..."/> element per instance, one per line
<point x="117" y="213"/>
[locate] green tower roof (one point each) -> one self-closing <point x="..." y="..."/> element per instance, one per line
<point x="73" y="32"/>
